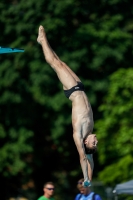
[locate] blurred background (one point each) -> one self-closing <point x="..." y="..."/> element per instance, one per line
<point x="95" y="38"/>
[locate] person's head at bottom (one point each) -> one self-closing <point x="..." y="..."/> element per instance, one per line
<point x="83" y="190"/>
<point x="48" y="189"/>
<point x="90" y="144"/>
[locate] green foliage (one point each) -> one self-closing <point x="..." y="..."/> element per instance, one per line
<point x="115" y="129"/>
<point x="118" y="171"/>
<point x="95" y="39"/>
<point x="14" y="150"/>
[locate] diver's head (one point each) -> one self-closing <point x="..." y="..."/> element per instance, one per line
<point x="91" y="144"/>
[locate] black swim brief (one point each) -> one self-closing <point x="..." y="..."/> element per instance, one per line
<point x="77" y="87"/>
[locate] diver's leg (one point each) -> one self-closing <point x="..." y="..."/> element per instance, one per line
<point x="64" y="73"/>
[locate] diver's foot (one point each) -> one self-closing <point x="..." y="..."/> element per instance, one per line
<point x="41" y="35"/>
<point x="86" y="184"/>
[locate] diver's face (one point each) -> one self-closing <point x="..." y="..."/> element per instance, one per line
<point x="91" y="141"/>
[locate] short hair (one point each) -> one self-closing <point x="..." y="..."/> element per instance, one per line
<point x="89" y="150"/>
<point x="48" y="183"/>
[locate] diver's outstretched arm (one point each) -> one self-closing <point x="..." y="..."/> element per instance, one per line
<point x="86" y="165"/>
<point x="90" y="165"/>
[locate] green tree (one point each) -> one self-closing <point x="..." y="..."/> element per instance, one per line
<point x="95" y="39"/>
<point x="115" y="129"/>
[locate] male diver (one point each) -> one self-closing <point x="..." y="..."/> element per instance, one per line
<point x="82" y="115"/>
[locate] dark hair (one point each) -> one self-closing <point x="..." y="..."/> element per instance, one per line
<point x="90" y="151"/>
